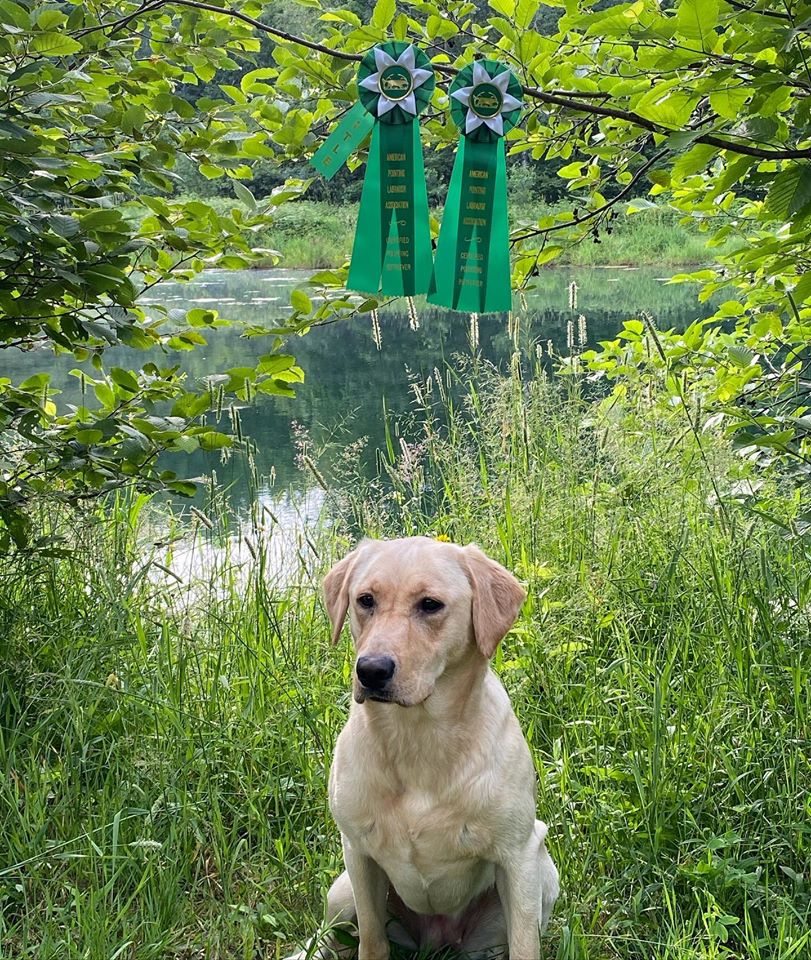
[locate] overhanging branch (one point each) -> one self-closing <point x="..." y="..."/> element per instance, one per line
<point x="748" y="8"/>
<point x="568" y="102"/>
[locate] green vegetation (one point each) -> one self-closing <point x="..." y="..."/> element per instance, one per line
<point x="166" y="743"/>
<point x="319" y="235"/>
<point x="109" y="108"/>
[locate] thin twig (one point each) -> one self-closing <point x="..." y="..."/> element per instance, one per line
<point x="593" y="213"/>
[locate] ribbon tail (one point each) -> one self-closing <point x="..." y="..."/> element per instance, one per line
<point x="472" y="269"/>
<point x="498" y="296"/>
<point x="392" y="251"/>
<point x="342" y="142"/>
<point x="370" y="239"/>
<point x="446" y="281"/>
<point x="423" y="256"/>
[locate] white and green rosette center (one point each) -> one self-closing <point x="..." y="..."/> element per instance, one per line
<point x="485" y="100"/>
<point x="395" y="81"/>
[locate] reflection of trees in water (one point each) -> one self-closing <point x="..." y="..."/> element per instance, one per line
<point x="347" y="378"/>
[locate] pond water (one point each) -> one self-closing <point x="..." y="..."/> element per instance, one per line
<point x="349" y="381"/>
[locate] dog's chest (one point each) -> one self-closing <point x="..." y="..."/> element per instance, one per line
<point x="431" y="847"/>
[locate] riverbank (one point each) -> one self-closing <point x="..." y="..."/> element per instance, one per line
<point x="314" y="235"/>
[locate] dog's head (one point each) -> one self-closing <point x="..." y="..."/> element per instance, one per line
<point x="417" y="607"/>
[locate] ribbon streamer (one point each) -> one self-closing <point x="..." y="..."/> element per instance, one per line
<point x="392" y="249"/>
<point x="472" y="268"/>
<point x="343" y="141"/>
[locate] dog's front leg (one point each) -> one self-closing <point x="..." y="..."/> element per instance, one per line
<point x="370" y="886"/>
<point x="519" y="888"/>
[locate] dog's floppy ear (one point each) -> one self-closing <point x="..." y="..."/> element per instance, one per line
<point x="336" y="590"/>
<point x="497" y="598"/>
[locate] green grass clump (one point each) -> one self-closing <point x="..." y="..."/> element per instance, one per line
<point x="165" y="750"/>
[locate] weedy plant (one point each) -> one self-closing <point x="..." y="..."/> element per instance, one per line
<point x="165" y="750"/>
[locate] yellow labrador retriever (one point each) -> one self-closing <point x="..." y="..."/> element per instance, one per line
<point x="432" y="784"/>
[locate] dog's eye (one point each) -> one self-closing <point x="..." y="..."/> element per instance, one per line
<point x="429" y="605"/>
<point x="366" y="600"/>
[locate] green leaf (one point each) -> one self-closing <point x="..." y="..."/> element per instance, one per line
<point x="383" y="13"/>
<point x="213" y="440"/>
<point x="300" y="302"/>
<point x="35" y="383"/>
<point x="191" y="405"/>
<point x="49" y="18"/>
<point x="275" y="362"/>
<point x="14" y="14"/>
<point x="571" y="171"/>
<point x="728" y="101"/>
<point x="55" y="44"/>
<point x="187" y="444"/>
<point x="105" y="395"/>
<point x="740" y="355"/>
<point x="696" y="20"/>
<point x="343" y="16"/>
<point x="802" y="291"/>
<point x="198" y="317"/>
<point x="103" y="217"/>
<point x="525" y="13"/>
<point x="667" y="104"/>
<point x="184" y="487"/>
<point x="252" y="78"/>
<point x="548" y="254"/>
<point x="276" y="388"/>
<point x="210" y="171"/>
<point x="89" y="436"/>
<point x="124" y="379"/>
<point x="693" y="161"/>
<point x="790" y="193"/>
<point x="17" y="524"/>
<point x="244" y="194"/>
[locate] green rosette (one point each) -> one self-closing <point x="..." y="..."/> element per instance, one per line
<point x="472" y="267"/>
<point x="392" y="249"/>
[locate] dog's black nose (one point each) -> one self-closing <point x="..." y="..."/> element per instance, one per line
<point x="375" y="672"/>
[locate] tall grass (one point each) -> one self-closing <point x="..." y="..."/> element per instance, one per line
<point x="165" y="751"/>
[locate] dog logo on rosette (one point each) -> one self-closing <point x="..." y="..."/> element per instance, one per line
<point x="395" y="82"/>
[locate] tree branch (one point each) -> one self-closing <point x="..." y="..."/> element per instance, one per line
<point x="709" y="138"/>
<point x="575" y="221"/>
<point x="534" y="93"/>
<point x="746" y="8"/>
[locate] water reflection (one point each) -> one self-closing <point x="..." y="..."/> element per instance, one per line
<point x="348" y="380"/>
<point x="271" y="539"/>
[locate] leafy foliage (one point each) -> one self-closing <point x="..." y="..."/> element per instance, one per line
<point x="88" y="124"/>
<point x="704" y="103"/>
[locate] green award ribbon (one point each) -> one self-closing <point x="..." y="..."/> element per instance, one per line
<point x="472" y="268"/>
<point x="392" y="249"/>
